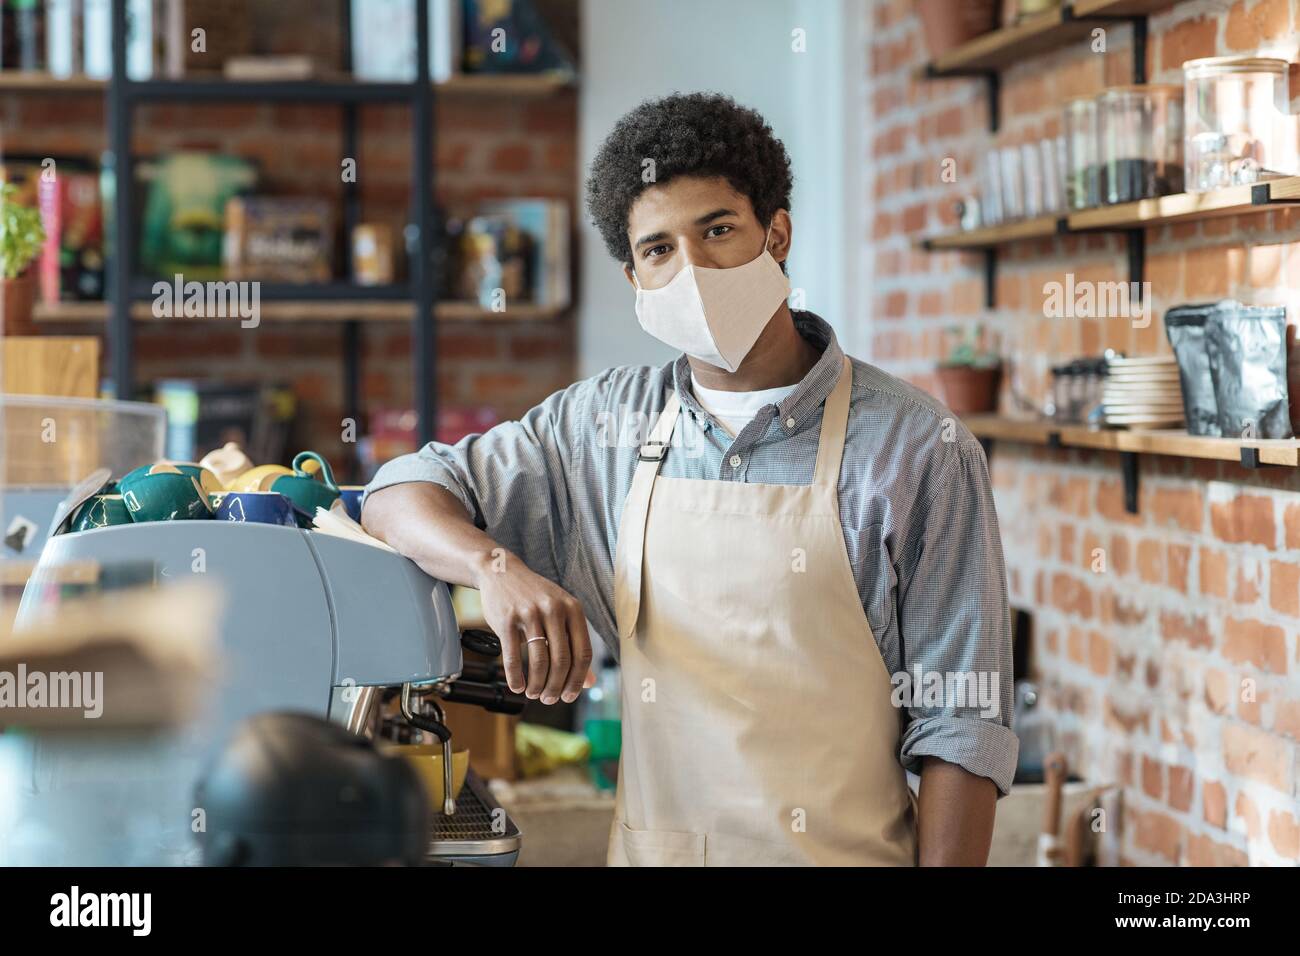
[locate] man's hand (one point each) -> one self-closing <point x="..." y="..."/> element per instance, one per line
<point x="521" y="606"/>
<point x="430" y="526"/>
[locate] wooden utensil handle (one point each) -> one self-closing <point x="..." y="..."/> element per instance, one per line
<point x="1054" y="774"/>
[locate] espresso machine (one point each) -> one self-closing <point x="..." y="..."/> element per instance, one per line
<point x="312" y="623"/>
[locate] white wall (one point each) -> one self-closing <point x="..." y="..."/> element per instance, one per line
<point x="633" y="51"/>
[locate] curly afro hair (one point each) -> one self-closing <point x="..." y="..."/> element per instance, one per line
<point x="686" y="134"/>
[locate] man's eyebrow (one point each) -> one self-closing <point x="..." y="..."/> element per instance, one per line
<point x="716" y="214"/>
<point x="704" y="220"/>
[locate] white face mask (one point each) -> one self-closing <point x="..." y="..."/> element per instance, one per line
<point x="715" y="315"/>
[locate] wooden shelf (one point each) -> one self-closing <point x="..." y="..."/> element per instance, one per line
<point x="1039" y="33"/>
<point x="324" y="87"/>
<point x="1232" y="201"/>
<point x="1175" y="443"/>
<point x="39" y="82"/>
<point x="1039" y="228"/>
<point x="313" y="311"/>
<point x="505" y="84"/>
<point x="1009" y="45"/>
<point x="1119" y="8"/>
<point x="1143" y="214"/>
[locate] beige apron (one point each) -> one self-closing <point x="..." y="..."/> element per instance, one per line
<point x="757" y="724"/>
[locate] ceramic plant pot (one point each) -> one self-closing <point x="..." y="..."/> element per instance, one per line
<point x="968" y="390"/>
<point x="17" y="299"/>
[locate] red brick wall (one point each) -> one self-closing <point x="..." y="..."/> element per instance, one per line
<point x="486" y="147"/>
<point x="1143" y="660"/>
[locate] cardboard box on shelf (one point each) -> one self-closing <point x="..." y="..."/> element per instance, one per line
<point x="489" y="737"/>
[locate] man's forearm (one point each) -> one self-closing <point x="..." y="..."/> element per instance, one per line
<point x="429" y="525"/>
<point x="956" y="815"/>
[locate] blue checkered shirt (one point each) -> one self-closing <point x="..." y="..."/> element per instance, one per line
<point x="914" y="497"/>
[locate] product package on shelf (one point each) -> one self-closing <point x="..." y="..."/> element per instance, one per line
<point x="63" y="38"/>
<point x="66" y="191"/>
<point x="184" y="211"/>
<point x="97" y="38"/>
<point x="513" y="251"/>
<point x="374" y="254"/>
<point x="1232" y="360"/>
<point x="533" y="46"/>
<point x="1185" y="327"/>
<point x="383" y="39"/>
<point x="278" y="239"/>
<point x="22" y="35"/>
<point x="1248" y="355"/>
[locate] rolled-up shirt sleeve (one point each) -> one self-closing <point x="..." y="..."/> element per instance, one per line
<point x="955" y="624"/>
<point x="512" y="480"/>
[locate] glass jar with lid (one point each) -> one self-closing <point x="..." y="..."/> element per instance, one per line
<point x="1081" y="158"/>
<point x="1141" y="142"/>
<point x="1238" y="125"/>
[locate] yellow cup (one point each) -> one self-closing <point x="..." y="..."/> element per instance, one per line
<point x="426" y="760"/>
<point x="259" y="478"/>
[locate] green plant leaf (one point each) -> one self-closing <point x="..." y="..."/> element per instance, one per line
<point x="21" y="233"/>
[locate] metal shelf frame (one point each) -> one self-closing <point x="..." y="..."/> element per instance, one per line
<point x="124" y="286"/>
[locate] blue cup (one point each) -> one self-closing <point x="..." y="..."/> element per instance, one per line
<point x="351" y="497"/>
<point x="257" y="507"/>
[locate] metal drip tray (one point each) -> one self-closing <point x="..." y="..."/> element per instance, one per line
<point x="469" y="836"/>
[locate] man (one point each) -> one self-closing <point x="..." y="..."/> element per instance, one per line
<point x="795" y="528"/>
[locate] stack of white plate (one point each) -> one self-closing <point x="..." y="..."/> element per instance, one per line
<point x="1142" y="393"/>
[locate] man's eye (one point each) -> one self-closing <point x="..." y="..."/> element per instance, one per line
<point x="717" y="231"/>
<point x="655" y="251"/>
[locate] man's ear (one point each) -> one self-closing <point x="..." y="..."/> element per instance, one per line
<point x="779" y="241"/>
<point x="629" y="274"/>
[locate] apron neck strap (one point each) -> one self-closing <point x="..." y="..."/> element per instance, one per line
<point x="631" y="532"/>
<point x="657" y="442"/>
<point x="830" y="445"/>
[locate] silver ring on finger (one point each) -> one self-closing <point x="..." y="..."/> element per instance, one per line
<point x="539" y="637"/>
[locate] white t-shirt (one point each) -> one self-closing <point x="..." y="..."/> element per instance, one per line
<point x="735" y="410"/>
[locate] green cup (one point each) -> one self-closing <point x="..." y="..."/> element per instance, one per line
<point x="308" y="493"/>
<point x="101" y="511"/>
<point x="164" y="496"/>
<point x="207" y="478"/>
<point x="133" y="473"/>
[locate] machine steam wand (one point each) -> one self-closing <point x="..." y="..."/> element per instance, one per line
<point x="436" y="726"/>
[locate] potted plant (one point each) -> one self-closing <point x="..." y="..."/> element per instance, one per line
<point x="21" y="238"/>
<point x="970" y="376"/>
<point x="947" y="24"/>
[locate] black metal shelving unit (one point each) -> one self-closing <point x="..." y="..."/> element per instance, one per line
<point x="125" y="287"/>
